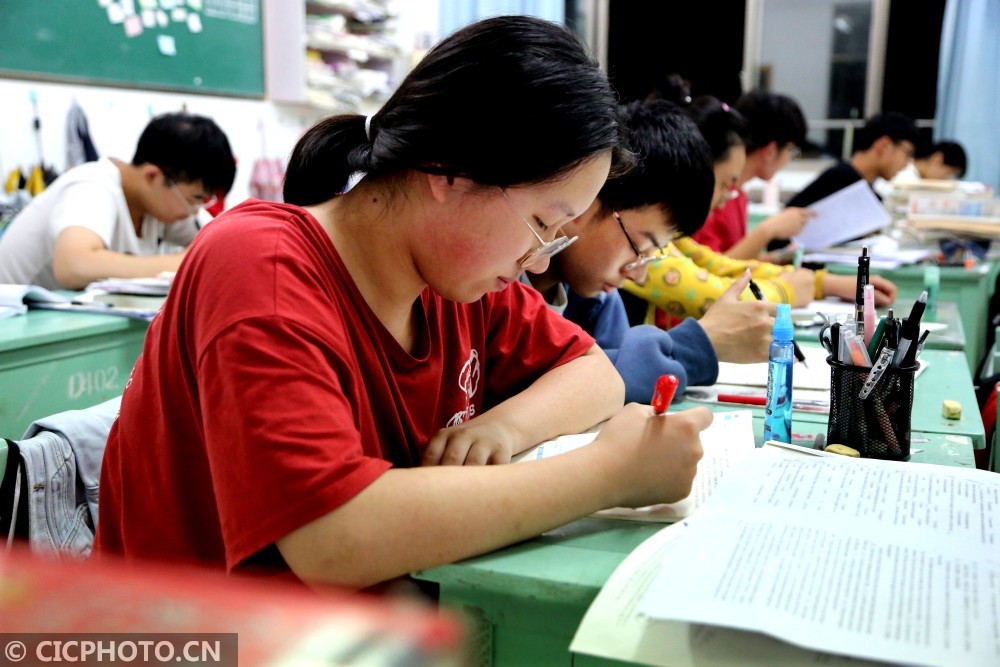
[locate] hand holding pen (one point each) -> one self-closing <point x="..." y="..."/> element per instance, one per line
<point x="666" y="387"/>
<point x="795" y="346"/>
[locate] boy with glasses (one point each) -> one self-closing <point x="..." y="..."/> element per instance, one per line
<point x="625" y="231"/>
<point x="114" y="219"/>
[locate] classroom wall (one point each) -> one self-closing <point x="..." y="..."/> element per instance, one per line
<point x="117" y="116"/>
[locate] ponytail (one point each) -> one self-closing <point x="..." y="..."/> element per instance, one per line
<point x="324" y="159"/>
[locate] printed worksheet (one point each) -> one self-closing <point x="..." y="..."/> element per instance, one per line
<point x="876" y="559"/>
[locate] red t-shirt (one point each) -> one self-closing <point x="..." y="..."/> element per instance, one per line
<point x="725" y="227"/>
<point x="268" y="394"/>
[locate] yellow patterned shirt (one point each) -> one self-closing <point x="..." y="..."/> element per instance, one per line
<point x="692" y="276"/>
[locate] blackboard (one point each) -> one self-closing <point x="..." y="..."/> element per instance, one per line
<point x="78" y="41"/>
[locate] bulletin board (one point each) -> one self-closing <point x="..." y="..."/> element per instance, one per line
<point x="208" y="46"/>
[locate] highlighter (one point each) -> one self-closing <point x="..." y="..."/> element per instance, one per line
<point x="869" y="299"/>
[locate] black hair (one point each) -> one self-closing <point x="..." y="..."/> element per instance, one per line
<point x="722" y="126"/>
<point x="505" y="101"/>
<point x="188" y="148"/>
<point x="897" y="126"/>
<point x="673" y="167"/>
<point x="771" y="117"/>
<point x="673" y="88"/>
<point x="952" y="154"/>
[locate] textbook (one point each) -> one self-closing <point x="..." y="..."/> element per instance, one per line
<point x="794" y="555"/>
<point x="18" y="299"/>
<point x="726" y="442"/>
<point x="14" y="299"/>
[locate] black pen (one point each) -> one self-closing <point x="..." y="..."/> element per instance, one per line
<point x="864" y="261"/>
<point x="795" y="346"/>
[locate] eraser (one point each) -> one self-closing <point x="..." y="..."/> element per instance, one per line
<point x="951" y="409"/>
<point x="843" y="450"/>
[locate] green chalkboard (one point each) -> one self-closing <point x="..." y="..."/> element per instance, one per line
<point x="79" y="40"/>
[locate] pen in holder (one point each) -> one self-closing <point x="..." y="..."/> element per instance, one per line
<point x="878" y="426"/>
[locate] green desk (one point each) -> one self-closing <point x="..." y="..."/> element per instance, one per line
<point x="50" y="362"/>
<point x="524" y="603"/>
<point x="969" y="288"/>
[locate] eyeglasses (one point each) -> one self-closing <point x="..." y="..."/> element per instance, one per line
<point x="794" y="152"/>
<point x="194" y="202"/>
<point x="641" y="258"/>
<point x="545" y="248"/>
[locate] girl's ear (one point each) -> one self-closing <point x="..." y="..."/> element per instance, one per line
<point x="441" y="187"/>
<point x="444" y="186"/>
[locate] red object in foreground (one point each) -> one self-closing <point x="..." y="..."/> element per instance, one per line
<point x="248" y="620"/>
<point x="666" y="386"/>
<point x="742" y="398"/>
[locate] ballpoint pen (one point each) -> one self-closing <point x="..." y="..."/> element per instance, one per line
<point x="666" y="386"/>
<point x="795" y="346"/>
<point x="864" y="262"/>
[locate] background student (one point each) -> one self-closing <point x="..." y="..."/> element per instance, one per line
<point x="776" y="128"/>
<point x="634" y="216"/>
<point x="942" y="160"/>
<point x="317" y="360"/>
<point x="692" y="277"/>
<point x="110" y="218"/>
<point x="881" y="148"/>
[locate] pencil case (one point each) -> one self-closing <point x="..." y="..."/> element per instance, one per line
<point x="878" y="426"/>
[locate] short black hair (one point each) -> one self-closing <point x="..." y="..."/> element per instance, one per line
<point x="722" y="126"/>
<point x="893" y="124"/>
<point x="188" y="148"/>
<point x="510" y="100"/>
<point x="771" y="117"/>
<point x="952" y="154"/>
<point x="673" y="167"/>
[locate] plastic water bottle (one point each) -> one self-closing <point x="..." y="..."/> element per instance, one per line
<point x="778" y="417"/>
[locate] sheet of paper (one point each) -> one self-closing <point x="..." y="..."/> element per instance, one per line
<point x="726" y="442"/>
<point x="814" y="376"/>
<point x="613" y="627"/>
<point x="882" y="560"/>
<point x="846" y="214"/>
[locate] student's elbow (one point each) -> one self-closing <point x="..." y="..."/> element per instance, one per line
<point x="68" y="274"/>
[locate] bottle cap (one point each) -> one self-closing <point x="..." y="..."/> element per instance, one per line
<point x="783" y="330"/>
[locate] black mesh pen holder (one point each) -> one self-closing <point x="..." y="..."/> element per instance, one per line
<point x="878" y="426"/>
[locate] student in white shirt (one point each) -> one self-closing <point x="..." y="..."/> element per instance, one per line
<point x="113" y="219"/>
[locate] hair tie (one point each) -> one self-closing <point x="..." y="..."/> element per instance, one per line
<point x="368" y="127"/>
<point x="725" y="107"/>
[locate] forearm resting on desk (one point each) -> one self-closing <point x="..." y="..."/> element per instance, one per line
<point x="567" y="399"/>
<point x="410" y="519"/>
<point x="78" y="261"/>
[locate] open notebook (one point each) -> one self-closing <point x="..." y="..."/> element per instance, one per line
<point x="727" y="441"/>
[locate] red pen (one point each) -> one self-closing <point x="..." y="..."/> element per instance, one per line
<point x="666" y="386"/>
<point x="742" y="398"/>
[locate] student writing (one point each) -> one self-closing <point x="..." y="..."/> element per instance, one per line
<point x="108" y="218"/>
<point x="621" y="234"/>
<point x="314" y="354"/>
<point x="692" y="277"/>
